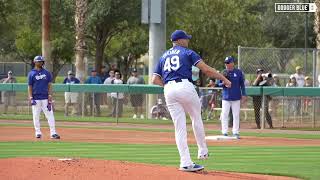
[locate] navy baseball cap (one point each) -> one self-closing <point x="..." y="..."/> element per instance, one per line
<point x="229" y="59"/>
<point x="179" y="34"/>
<point x="93" y="70"/>
<point x="38" y="59"/>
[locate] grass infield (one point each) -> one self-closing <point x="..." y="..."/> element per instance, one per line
<point x="301" y="162"/>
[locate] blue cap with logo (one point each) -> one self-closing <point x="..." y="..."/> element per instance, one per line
<point x="229" y="59"/>
<point x="179" y="34"/>
<point x="38" y="59"/>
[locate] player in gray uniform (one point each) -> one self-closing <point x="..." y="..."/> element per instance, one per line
<point x="174" y="73"/>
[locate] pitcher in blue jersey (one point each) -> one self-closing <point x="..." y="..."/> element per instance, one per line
<point x="174" y="73"/>
<point x="231" y="97"/>
<point x="40" y="95"/>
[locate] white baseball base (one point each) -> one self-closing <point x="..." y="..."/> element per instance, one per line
<point x="221" y="137"/>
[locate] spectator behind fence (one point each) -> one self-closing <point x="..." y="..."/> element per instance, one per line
<point x="108" y="81"/>
<point x="9" y="97"/>
<point x="103" y="75"/>
<point x="93" y="79"/>
<point x="300" y="83"/>
<point x="257" y="100"/>
<point x="71" y="98"/>
<point x="117" y="98"/>
<point x="292" y="103"/>
<point x="136" y="99"/>
<point x="307" y="100"/>
<point x="274" y="102"/>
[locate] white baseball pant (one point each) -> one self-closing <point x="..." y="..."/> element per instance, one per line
<point x="181" y="97"/>
<point x="226" y="105"/>
<point x="36" y="110"/>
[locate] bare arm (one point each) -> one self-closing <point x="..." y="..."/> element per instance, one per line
<point x="211" y="72"/>
<point x="50" y="91"/>
<point x="30" y="91"/>
<point x="157" y="80"/>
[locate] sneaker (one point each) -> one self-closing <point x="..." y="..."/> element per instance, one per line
<point x="203" y="157"/>
<point x="237" y="136"/>
<point x="192" y="168"/>
<point x="141" y="116"/>
<point x="134" y="116"/>
<point x="55" y="136"/>
<point x="38" y="136"/>
<point x="225" y="134"/>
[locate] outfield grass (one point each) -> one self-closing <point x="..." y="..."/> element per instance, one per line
<point x="302" y="162"/>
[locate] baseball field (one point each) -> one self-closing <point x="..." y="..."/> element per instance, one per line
<point x="140" y="150"/>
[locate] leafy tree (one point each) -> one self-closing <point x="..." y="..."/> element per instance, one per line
<point x="28" y="31"/>
<point x="218" y="27"/>
<point x="107" y="19"/>
<point x="127" y="47"/>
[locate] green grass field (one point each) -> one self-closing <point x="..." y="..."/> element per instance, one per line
<point x="302" y="162"/>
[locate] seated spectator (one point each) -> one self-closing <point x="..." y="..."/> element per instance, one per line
<point x="9" y="97"/>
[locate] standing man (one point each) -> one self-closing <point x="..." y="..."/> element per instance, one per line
<point x="231" y="97"/>
<point x="300" y="78"/>
<point x="71" y="98"/>
<point x="136" y="99"/>
<point x="9" y="97"/>
<point x="40" y="95"/>
<point x="174" y="73"/>
<point x="94" y="79"/>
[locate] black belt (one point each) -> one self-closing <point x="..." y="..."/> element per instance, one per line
<point x="178" y="80"/>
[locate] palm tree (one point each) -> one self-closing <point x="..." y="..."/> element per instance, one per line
<point x="80" y="46"/>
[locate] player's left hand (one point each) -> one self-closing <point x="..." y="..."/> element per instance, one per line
<point x="244" y="98"/>
<point x="227" y="83"/>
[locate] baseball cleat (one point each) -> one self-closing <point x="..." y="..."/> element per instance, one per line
<point x="55" y="136"/>
<point x="193" y="168"/>
<point x="237" y="136"/>
<point x="38" y="136"/>
<point x="203" y="157"/>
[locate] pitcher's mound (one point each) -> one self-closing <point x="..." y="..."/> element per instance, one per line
<point x="221" y="138"/>
<point x="91" y="169"/>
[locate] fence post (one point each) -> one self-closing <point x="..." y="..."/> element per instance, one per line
<point x="263" y="111"/>
<point x="314" y="63"/>
<point x="83" y="104"/>
<point x="117" y="108"/>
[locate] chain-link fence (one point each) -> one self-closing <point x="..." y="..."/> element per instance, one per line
<point x="274" y="110"/>
<point x="280" y="61"/>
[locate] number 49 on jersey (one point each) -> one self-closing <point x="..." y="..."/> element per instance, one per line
<point x="171" y="63"/>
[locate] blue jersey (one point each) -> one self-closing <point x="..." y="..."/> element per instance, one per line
<point x="72" y="80"/>
<point x="39" y="80"/>
<point x="176" y="63"/>
<point x="237" y="88"/>
<point x="93" y="80"/>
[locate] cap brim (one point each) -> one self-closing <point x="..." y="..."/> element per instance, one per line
<point x="189" y="36"/>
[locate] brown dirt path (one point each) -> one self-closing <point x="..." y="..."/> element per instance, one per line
<point x="83" y="169"/>
<point x="10" y="133"/>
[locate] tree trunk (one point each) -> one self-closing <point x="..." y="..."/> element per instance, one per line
<point x="46" y="48"/>
<point x="80" y="46"/>
<point x="99" y="56"/>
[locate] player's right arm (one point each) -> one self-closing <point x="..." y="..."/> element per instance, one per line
<point x="211" y="72"/>
<point x="30" y="85"/>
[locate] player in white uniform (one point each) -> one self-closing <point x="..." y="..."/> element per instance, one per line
<point x="40" y="95"/>
<point x="174" y="73"/>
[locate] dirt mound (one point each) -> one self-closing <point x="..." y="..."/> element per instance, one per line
<point x="78" y="169"/>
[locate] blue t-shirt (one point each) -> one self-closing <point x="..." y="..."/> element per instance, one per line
<point x="237" y="88"/>
<point x="176" y="63"/>
<point x="72" y="80"/>
<point x="39" y="80"/>
<point x="94" y="80"/>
